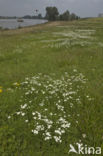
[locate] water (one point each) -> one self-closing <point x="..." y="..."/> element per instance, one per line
<point x="13" y="24"/>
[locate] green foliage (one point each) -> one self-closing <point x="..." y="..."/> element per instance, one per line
<point x="65" y="16"/>
<point x="73" y="16"/>
<point x="52" y="13"/>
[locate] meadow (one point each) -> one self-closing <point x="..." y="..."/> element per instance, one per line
<point x="51" y="88"/>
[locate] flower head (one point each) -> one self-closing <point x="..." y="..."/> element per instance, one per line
<point x="16" y="84"/>
<point x="1" y="90"/>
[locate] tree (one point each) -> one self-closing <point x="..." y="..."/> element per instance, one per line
<point x="73" y="16"/>
<point x="39" y="16"/>
<point x="52" y="13"/>
<point x="65" y="16"/>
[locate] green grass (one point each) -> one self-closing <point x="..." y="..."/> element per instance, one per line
<point x="51" y="49"/>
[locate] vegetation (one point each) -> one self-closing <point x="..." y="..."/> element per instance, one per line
<point x="52" y="14"/>
<point x="65" y="16"/>
<point x="51" y="88"/>
<point x="39" y="16"/>
<point x="7" y="17"/>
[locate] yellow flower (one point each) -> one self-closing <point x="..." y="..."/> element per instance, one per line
<point x="1" y="90"/>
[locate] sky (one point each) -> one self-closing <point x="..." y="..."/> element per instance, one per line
<point x="83" y="8"/>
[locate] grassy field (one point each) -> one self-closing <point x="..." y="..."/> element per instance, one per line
<point x="51" y="88"/>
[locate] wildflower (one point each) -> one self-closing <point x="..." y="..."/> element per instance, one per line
<point x="41" y="104"/>
<point x="33" y="89"/>
<point x="51" y="113"/>
<point x="75" y="70"/>
<point x="49" y="126"/>
<point x="23" y="106"/>
<point x="35" y="131"/>
<point x="57" y="139"/>
<point x="47" y="138"/>
<point x="22" y="114"/>
<point x="33" y="113"/>
<point x="18" y="113"/>
<point x="9" y="117"/>
<point x="48" y="113"/>
<point x="58" y="132"/>
<point x="45" y="109"/>
<point x="34" y="118"/>
<point x="26" y="93"/>
<point x="9" y="89"/>
<point x="16" y="84"/>
<point x="26" y="120"/>
<point x="84" y="135"/>
<point x="1" y="90"/>
<point x="65" y="125"/>
<point x="40" y="128"/>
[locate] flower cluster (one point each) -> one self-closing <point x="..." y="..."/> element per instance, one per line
<point x="46" y="102"/>
<point x="67" y="38"/>
<point x="1" y="90"/>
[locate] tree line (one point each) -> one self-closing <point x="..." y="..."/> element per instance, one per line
<point x="39" y="16"/>
<point x="52" y="14"/>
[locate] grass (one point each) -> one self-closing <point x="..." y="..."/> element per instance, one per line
<point x="51" y="88"/>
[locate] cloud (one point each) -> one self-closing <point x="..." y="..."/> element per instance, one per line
<point x="22" y="7"/>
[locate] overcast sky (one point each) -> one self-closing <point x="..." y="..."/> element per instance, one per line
<point x="83" y="8"/>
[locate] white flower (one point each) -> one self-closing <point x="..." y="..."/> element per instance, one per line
<point x="26" y="93"/>
<point x="9" y="117"/>
<point x="32" y="89"/>
<point x="77" y="122"/>
<point x="26" y="120"/>
<point x="48" y="134"/>
<point x="57" y="139"/>
<point x="75" y="70"/>
<point x="55" y="96"/>
<point x="40" y="128"/>
<point x="47" y="138"/>
<point x="18" y="113"/>
<point x="49" y="126"/>
<point x="84" y="135"/>
<point x="35" y="131"/>
<point x="43" y="92"/>
<point x="41" y="104"/>
<point x="65" y="125"/>
<point x="33" y="113"/>
<point x="23" y="106"/>
<point x="58" y="132"/>
<point x="22" y="114"/>
<point x="45" y="109"/>
<point x="51" y="113"/>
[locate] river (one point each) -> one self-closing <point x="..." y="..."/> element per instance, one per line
<point x="14" y="24"/>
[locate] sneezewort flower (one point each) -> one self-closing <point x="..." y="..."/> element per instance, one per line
<point x="16" y="84"/>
